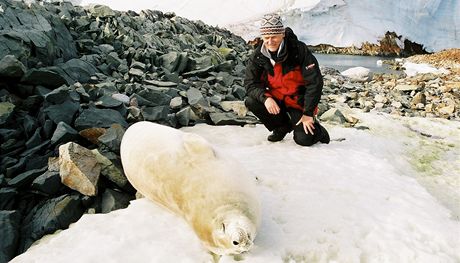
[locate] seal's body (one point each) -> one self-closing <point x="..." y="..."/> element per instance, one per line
<point x="182" y="172"/>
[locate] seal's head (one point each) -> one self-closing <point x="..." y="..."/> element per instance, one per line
<point x="234" y="236"/>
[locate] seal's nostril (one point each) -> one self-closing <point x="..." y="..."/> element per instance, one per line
<point x="235" y="243"/>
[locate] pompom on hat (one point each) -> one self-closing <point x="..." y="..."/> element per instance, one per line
<point x="271" y="24"/>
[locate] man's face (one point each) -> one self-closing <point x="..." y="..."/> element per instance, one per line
<point x="273" y="42"/>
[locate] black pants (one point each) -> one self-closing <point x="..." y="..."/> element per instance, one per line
<point x="286" y="119"/>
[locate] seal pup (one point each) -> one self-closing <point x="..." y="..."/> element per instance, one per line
<point x="185" y="174"/>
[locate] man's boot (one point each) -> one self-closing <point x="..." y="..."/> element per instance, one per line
<point x="279" y="133"/>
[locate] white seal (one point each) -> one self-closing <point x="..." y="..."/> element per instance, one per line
<point x="182" y="172"/>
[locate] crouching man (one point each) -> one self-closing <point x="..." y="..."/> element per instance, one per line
<point x="284" y="85"/>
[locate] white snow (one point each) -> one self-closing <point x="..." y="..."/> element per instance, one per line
<point x="432" y="23"/>
<point x="363" y="199"/>
<point x="412" y="69"/>
<point x="357" y="73"/>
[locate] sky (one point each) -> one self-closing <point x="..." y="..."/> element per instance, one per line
<point x="362" y="198"/>
<point x="433" y="23"/>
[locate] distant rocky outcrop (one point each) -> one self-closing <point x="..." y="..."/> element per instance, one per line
<point x="390" y="45"/>
<point x="73" y="79"/>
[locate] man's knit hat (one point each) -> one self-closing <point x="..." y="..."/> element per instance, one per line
<point x="271" y="24"/>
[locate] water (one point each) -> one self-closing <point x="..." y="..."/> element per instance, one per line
<point x="344" y="62"/>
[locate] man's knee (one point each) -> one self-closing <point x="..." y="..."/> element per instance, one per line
<point x="303" y="139"/>
<point x="253" y="104"/>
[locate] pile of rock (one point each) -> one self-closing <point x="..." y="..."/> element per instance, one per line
<point x="73" y="79"/>
<point x="422" y="95"/>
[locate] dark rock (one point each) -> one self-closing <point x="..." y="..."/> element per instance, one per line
<point x="48" y="183"/>
<point x="30" y="125"/>
<point x="32" y="104"/>
<point x="107" y="101"/>
<point x="101" y="11"/>
<point x="44" y="77"/>
<point x="199" y="72"/>
<point x="26" y="178"/>
<point x="7" y="196"/>
<point x="37" y="149"/>
<point x="174" y="61"/>
<point x="99" y="118"/>
<point x="113" y="200"/>
<point x="7" y="134"/>
<point x="239" y="92"/>
<point x="156" y="97"/>
<point x="140" y="101"/>
<point x="47" y="129"/>
<point x="60" y="95"/>
<point x="2" y="181"/>
<point x="36" y="161"/>
<point x="12" y="145"/>
<point x="42" y="91"/>
<point x="11" y="67"/>
<point x="183" y="116"/>
<point x="63" y="112"/>
<point x="9" y="227"/>
<point x="13" y="170"/>
<point x="6" y="111"/>
<point x="155" y="113"/>
<point x="63" y="133"/>
<point x="226" y="66"/>
<point x="35" y="35"/>
<point x="46" y="218"/>
<point x="195" y="97"/>
<point x="160" y="83"/>
<point x="6" y="162"/>
<point x="34" y="140"/>
<point x="112" y="137"/>
<point x="228" y="118"/>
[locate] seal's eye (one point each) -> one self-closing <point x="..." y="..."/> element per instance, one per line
<point x="223" y="227"/>
<point x="235" y="243"/>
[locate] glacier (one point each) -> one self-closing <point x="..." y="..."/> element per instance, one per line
<point x="435" y="24"/>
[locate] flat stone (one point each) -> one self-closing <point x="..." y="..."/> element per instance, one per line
<point x="78" y="169"/>
<point x="110" y="171"/>
<point x="99" y="118"/>
<point x="48" y="183"/>
<point x="6" y="111"/>
<point x="44" y="77"/>
<point x="195" y="97"/>
<point x="113" y="200"/>
<point x="333" y="115"/>
<point x="11" y="67"/>
<point x="10" y="222"/>
<point x="228" y="118"/>
<point x="63" y="133"/>
<point x="405" y="87"/>
<point x="112" y="137"/>
<point x="46" y="218"/>
<point x="26" y="178"/>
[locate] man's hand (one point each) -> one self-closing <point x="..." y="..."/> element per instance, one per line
<point x="272" y="106"/>
<point x="308" y="124"/>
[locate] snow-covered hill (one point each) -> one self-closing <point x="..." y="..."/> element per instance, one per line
<point x="433" y="23"/>
<point x="384" y="194"/>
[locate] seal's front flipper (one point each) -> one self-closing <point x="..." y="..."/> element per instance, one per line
<point x="197" y="146"/>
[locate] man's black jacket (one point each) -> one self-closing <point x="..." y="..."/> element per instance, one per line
<point x="259" y="66"/>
